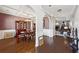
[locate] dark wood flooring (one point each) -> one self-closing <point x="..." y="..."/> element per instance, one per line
<point x="11" y="46"/>
<point x="57" y="44"/>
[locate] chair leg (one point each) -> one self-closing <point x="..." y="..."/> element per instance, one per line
<point x="17" y="40"/>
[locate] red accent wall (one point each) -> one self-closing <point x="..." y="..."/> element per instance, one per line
<point x="8" y="21"/>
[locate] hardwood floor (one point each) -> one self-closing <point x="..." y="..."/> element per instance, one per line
<point x="11" y="46"/>
<point x="57" y="44"/>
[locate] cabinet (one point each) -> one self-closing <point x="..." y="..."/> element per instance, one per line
<point x="22" y="27"/>
<point x="25" y="29"/>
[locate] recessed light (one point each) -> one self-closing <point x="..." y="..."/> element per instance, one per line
<point x="59" y="10"/>
<point x="50" y="5"/>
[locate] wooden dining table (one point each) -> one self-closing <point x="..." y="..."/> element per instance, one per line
<point x="27" y="35"/>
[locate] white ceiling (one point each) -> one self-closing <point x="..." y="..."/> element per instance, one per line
<point x="33" y="10"/>
<point x="24" y="8"/>
<point x="17" y="10"/>
<point x="67" y="10"/>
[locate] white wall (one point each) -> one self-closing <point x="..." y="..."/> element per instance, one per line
<point x="76" y="20"/>
<point x="2" y="33"/>
<point x="49" y="32"/>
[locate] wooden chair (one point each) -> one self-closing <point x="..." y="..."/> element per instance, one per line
<point x="21" y="34"/>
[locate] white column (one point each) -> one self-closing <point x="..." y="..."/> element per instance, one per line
<point x="39" y="30"/>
